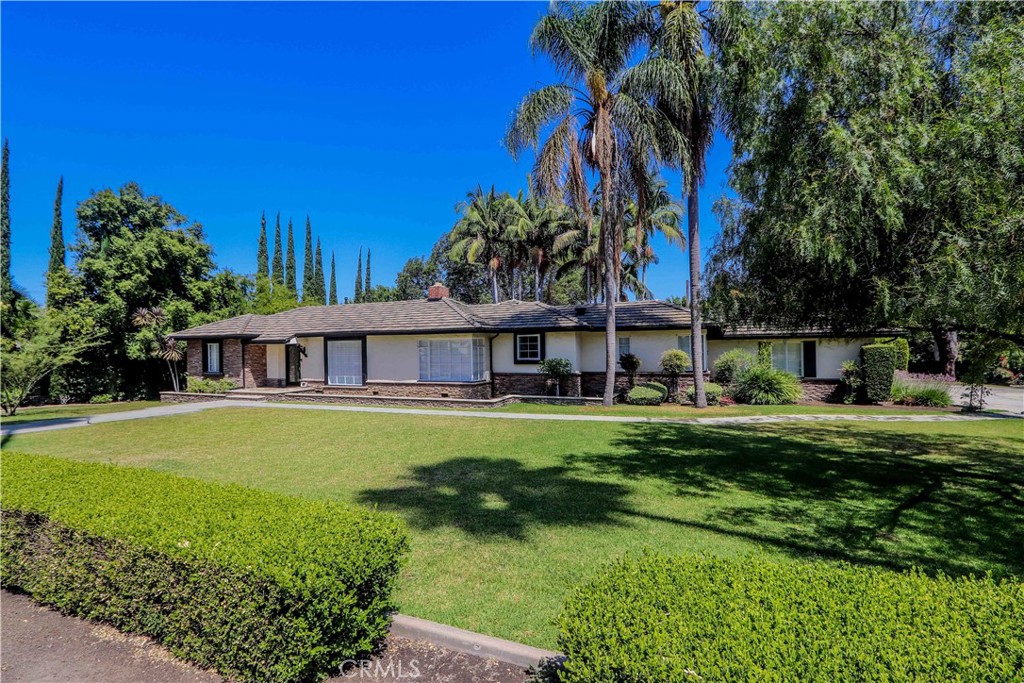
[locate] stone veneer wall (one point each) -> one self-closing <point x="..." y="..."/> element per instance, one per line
<point x="534" y="384"/>
<point x="821" y="390"/>
<point x="464" y="390"/>
<point x="184" y="397"/>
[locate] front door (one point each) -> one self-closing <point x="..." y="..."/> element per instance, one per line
<point x="293" y="363"/>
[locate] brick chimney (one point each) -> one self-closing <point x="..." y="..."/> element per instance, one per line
<point x="438" y="291"/>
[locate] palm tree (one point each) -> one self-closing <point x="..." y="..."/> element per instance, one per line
<point x="538" y="225"/>
<point x="598" y="118"/>
<point x="656" y="213"/>
<point x="482" y="232"/>
<point x="161" y="346"/>
<point x="681" y="40"/>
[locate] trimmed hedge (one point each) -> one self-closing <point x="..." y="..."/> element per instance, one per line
<point x="712" y="391"/>
<point x="261" y="587"/>
<point x="644" y="396"/>
<point x="901" y="347"/>
<point x="878" y="363"/>
<point x="656" y="386"/>
<point x="652" y="618"/>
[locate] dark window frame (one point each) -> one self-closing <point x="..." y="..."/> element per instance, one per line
<point x="206" y="357"/>
<point x="542" y="348"/>
<point x="362" y="340"/>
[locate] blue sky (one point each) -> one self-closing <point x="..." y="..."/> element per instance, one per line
<point x="373" y="118"/>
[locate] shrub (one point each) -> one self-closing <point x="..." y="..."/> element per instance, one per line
<point x="850" y="380"/>
<point x="730" y="364"/>
<point x="556" y="369"/>
<point x="879" y="366"/>
<point x="764" y="353"/>
<point x="644" y="396"/>
<point x="656" y="618"/>
<point x="208" y="385"/>
<point x="901" y="348"/>
<point x="101" y="398"/>
<point x="630" y="364"/>
<point x="711" y="390"/>
<point x="260" y="586"/>
<point x="675" y="362"/>
<point x="765" y="386"/>
<point x="657" y="386"/>
<point x="921" y="390"/>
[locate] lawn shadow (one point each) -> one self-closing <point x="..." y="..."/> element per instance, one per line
<point x="867" y="495"/>
<point x="499" y="497"/>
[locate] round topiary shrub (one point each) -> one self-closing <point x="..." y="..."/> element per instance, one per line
<point x="732" y="364"/>
<point x="765" y="386"/>
<point x="657" y="386"/>
<point x="644" y="396"/>
<point x="712" y="391"/>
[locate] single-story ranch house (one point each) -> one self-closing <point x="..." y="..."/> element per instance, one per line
<point x="441" y="348"/>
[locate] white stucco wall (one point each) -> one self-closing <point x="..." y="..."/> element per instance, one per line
<point x="830" y="352"/>
<point x="313" y="362"/>
<point x="647" y="345"/>
<point x="275" y="361"/>
<point x="556" y="345"/>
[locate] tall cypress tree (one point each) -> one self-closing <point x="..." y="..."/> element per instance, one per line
<point x="6" y="286"/>
<point x="56" y="244"/>
<point x="334" y="284"/>
<point x="289" y="266"/>
<point x="262" y="268"/>
<point x="358" y="298"/>
<point x="308" y="271"/>
<point x="318" y="275"/>
<point x="278" y="273"/>
<point x="368" y="289"/>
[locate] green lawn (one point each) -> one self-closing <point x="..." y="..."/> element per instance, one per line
<point x="678" y="411"/>
<point x="505" y="516"/>
<point x="76" y="410"/>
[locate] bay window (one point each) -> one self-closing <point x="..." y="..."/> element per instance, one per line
<point x="451" y="360"/>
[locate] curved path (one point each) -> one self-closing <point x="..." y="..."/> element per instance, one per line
<point x="186" y="408"/>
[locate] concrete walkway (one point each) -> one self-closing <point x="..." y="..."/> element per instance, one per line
<point x="187" y="408"/>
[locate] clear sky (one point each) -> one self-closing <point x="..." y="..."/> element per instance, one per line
<point x="373" y="118"/>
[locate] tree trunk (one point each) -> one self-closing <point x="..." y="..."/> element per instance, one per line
<point x="605" y="159"/>
<point x="536" y="283"/>
<point x="494" y="287"/>
<point x="948" y="344"/>
<point x="700" y="399"/>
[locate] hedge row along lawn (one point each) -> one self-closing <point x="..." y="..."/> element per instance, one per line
<point x="260" y="586"/>
<point x="505" y="516"/>
<point x="654" y="618"/>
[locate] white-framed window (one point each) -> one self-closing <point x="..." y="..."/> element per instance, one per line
<point x="529" y="347"/>
<point x="684" y="342"/>
<point x="788" y="356"/>
<point x="345" y="362"/>
<point x="622" y="348"/>
<point x="451" y="360"/>
<point x="212" y="360"/>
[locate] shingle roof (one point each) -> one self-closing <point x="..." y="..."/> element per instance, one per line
<point x="437" y="316"/>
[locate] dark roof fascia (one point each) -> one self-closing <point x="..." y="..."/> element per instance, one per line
<point x="200" y="336"/>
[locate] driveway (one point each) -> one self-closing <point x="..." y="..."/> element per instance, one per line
<point x="1007" y="399"/>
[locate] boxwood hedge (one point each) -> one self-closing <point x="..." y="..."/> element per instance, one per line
<point x="259" y="586"/>
<point x="879" y="365"/>
<point x="654" y="618"/>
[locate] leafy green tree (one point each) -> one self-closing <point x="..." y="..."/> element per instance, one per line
<point x="879" y="151"/>
<point x="33" y="355"/>
<point x="262" y="267"/>
<point x="469" y="282"/>
<point x="290" y="276"/>
<point x="308" y="269"/>
<point x="318" y="275"/>
<point x="57" y="248"/>
<point x="6" y="284"/>
<point x="334" y="284"/>
<point x="415" y="278"/>
<point x="137" y="251"/>
<point x="277" y="275"/>
<point x="600" y="117"/>
<point x="368" y="286"/>
<point x="357" y="297"/>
